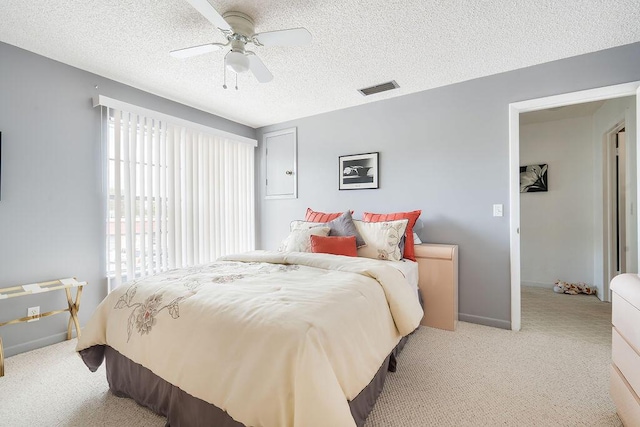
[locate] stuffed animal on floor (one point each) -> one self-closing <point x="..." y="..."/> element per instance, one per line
<point x="573" y="288"/>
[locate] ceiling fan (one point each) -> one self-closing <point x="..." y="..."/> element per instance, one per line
<point x="238" y="28"/>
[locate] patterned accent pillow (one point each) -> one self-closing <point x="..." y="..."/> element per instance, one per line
<point x="300" y="240"/>
<point x="334" y="245"/>
<point x="409" y="251"/>
<point x="382" y="239"/>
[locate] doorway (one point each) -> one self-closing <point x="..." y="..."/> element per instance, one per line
<point x="617" y="254"/>
<point x="515" y="109"/>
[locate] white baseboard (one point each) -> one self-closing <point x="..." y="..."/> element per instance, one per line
<point x="32" y="345"/>
<point x="486" y="321"/>
<point x="536" y="284"/>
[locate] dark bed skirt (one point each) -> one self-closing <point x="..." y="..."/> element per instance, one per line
<point x="132" y="380"/>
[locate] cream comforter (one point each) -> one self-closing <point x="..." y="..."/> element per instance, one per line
<point x="275" y="339"/>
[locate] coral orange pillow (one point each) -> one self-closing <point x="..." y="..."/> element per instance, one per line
<point x="334" y="245"/>
<point x="313" y="216"/>
<point x="409" y="252"/>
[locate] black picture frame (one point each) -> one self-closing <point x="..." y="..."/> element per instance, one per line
<point x="534" y="178"/>
<point x="359" y="171"/>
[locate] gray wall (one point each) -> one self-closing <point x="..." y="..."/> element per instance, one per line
<point x="51" y="212"/>
<point x="445" y="151"/>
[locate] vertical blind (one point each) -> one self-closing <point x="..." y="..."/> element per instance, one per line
<point x="177" y="196"/>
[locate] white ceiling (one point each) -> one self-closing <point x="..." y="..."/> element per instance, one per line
<point x="421" y="44"/>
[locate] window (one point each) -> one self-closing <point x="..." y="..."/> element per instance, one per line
<point x="176" y="196"/>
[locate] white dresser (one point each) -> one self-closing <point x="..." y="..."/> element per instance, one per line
<point x="625" y="369"/>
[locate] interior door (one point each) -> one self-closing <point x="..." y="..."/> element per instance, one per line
<point x="281" y="164"/>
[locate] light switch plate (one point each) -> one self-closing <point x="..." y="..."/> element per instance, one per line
<point x="497" y="210"/>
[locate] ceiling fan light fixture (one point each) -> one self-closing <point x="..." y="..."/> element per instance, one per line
<point x="238" y="28"/>
<point x="237" y="62"/>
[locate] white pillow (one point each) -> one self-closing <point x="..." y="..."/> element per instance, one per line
<point x="382" y="239"/>
<point x="304" y="225"/>
<point x="300" y="240"/>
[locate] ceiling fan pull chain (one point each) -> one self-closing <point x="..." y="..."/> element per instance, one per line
<point x="236" y="81"/>
<point x="224" y="71"/>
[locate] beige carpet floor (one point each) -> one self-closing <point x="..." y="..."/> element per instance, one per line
<point x="552" y="373"/>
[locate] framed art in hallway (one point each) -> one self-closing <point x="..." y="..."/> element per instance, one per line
<point x="358" y="171"/>
<point x="533" y="178"/>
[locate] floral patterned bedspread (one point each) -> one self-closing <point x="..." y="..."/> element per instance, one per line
<point x="274" y="339"/>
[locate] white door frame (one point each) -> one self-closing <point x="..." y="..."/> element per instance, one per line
<point x="608" y="92"/>
<point x="609" y="219"/>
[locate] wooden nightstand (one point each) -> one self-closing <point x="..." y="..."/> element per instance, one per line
<point x="438" y="283"/>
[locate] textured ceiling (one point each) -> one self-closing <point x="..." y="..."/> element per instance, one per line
<point x="420" y="44"/>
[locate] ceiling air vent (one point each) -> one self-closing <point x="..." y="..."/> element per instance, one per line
<point x="379" y="88"/>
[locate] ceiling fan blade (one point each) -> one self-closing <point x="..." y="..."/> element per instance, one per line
<point x="206" y="10"/>
<point x="291" y="37"/>
<point x="188" y="52"/>
<point x="257" y="67"/>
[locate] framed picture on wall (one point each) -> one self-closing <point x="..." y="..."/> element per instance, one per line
<point x="533" y="178"/>
<point x="358" y="171"/>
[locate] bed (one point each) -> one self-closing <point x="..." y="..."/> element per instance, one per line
<point x="257" y="339"/>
